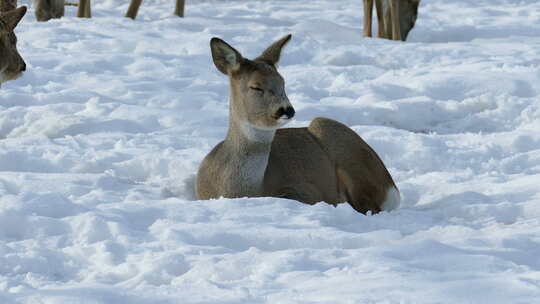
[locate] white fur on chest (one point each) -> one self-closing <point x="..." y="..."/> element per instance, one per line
<point x="244" y="176"/>
<point x="252" y="168"/>
<point x="247" y="166"/>
<point x="256" y="134"/>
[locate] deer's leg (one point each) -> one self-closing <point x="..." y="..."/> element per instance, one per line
<point x="368" y="14"/>
<point x="394" y="12"/>
<point x="88" y="9"/>
<point x="380" y="18"/>
<point x="179" y="8"/>
<point x="83" y="11"/>
<point x="60" y="11"/>
<point x="362" y="177"/>
<point x="387" y="21"/>
<point x="133" y="8"/>
<point x="304" y="193"/>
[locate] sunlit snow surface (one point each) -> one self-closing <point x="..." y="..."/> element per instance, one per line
<point x="101" y="138"/>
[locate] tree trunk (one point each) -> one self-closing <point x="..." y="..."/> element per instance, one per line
<point x="179" y="9"/>
<point x="133" y="9"/>
<point x="84" y="10"/>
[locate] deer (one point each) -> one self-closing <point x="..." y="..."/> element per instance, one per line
<point x="134" y="5"/>
<point x="12" y="64"/>
<point x="54" y="9"/>
<point x="48" y="9"/>
<point x="395" y="18"/>
<point x="323" y="162"/>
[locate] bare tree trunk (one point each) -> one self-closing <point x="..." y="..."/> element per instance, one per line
<point x="133" y="9"/>
<point x="84" y="10"/>
<point x="179" y="9"/>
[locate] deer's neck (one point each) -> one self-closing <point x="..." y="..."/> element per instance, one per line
<point x="242" y="135"/>
<point x="249" y="149"/>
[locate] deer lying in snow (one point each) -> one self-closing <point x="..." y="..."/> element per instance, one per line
<point x="326" y="161"/>
<point x="395" y="18"/>
<point x="11" y="63"/>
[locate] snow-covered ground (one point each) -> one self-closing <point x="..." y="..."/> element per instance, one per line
<point x="101" y="138"/>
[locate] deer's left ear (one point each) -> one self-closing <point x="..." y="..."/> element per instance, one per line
<point x="10" y="19"/>
<point x="226" y="58"/>
<point x="273" y="52"/>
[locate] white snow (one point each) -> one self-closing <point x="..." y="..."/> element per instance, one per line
<point x="101" y="139"/>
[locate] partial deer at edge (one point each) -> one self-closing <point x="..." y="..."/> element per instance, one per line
<point x="12" y="64"/>
<point x="54" y="9"/>
<point x="49" y="9"/>
<point x="325" y="161"/>
<point x="395" y="18"/>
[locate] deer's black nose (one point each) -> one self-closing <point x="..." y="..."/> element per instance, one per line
<point x="23" y="67"/>
<point x="288" y="111"/>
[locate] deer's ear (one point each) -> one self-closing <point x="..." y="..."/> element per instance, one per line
<point x="11" y="19"/>
<point x="273" y="52"/>
<point x="226" y="58"/>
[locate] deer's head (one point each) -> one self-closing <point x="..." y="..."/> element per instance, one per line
<point x="257" y="89"/>
<point x="11" y="63"/>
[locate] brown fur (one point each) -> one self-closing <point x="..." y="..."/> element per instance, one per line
<point x="55" y="9"/>
<point x="326" y="161"/>
<point x="395" y="18"/>
<point x="7" y="5"/>
<point x="49" y="9"/>
<point x="12" y="64"/>
<point x="85" y="9"/>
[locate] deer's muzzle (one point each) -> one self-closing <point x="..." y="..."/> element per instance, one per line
<point x="288" y="112"/>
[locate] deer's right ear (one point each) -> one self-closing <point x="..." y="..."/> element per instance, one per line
<point x="11" y="19"/>
<point x="225" y="57"/>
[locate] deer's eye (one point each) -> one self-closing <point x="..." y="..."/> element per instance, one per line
<point x="257" y="89"/>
